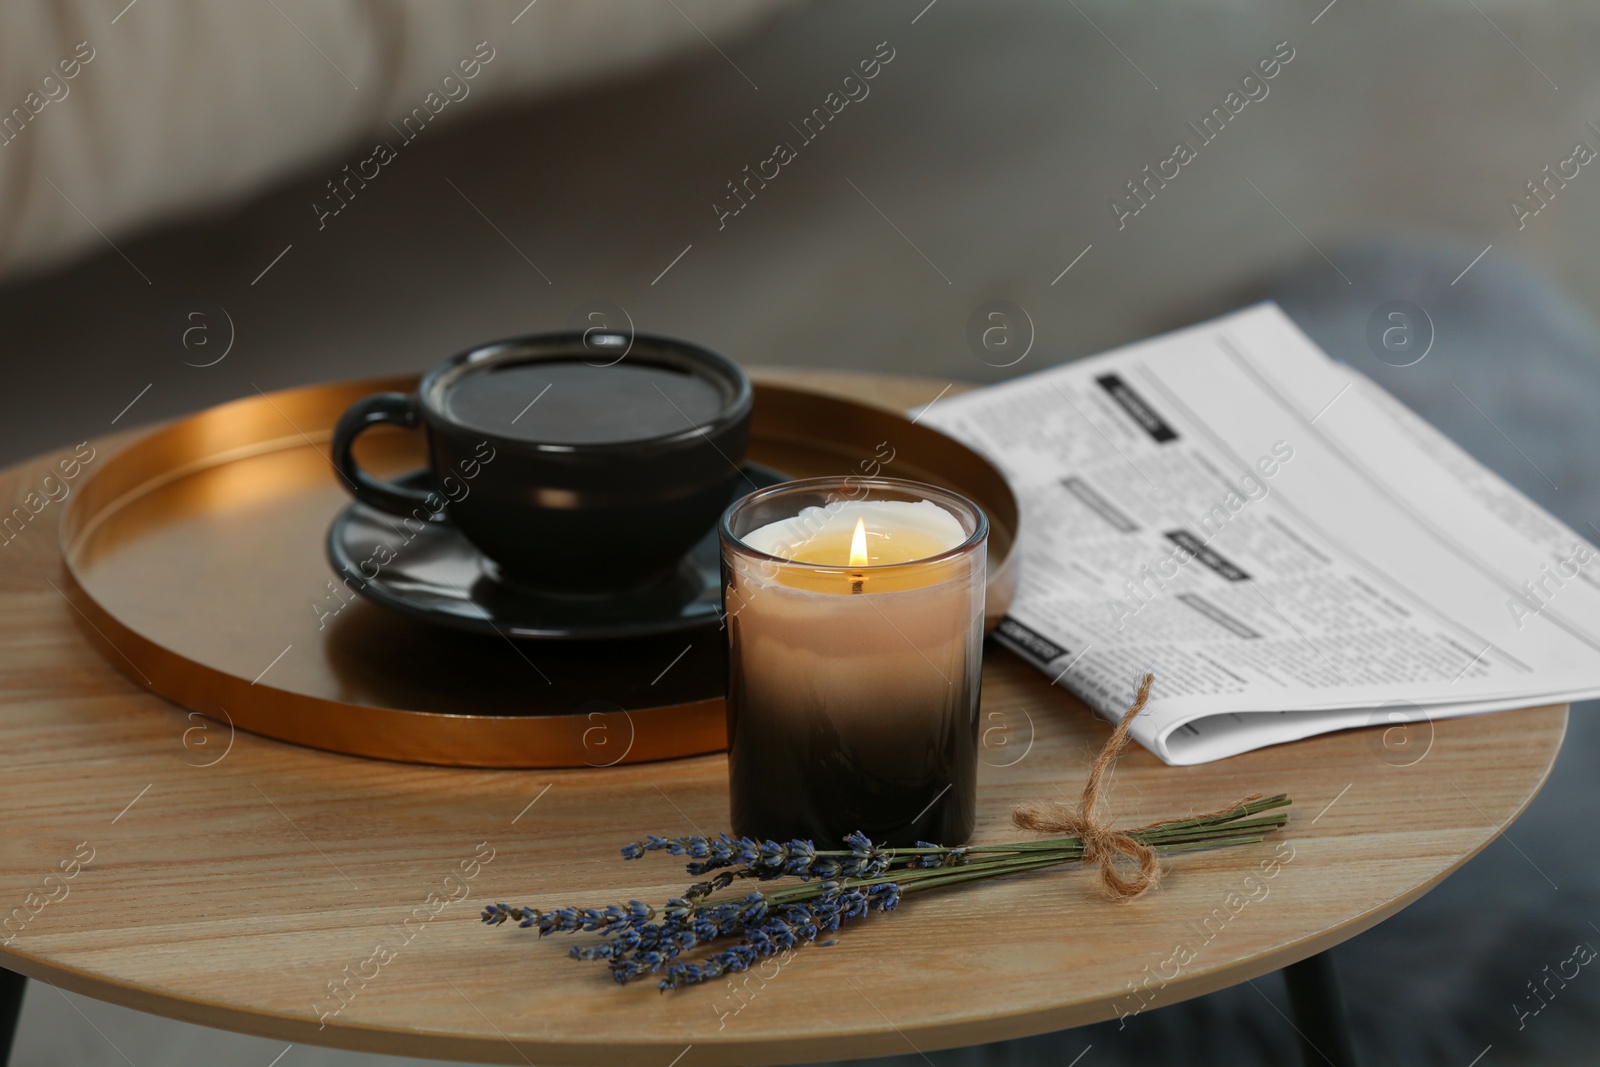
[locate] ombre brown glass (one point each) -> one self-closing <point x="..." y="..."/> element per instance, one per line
<point x="853" y="690"/>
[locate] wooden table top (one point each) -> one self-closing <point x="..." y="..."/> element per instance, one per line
<point x="150" y="860"/>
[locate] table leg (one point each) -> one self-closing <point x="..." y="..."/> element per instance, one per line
<point x="12" y="985"/>
<point x="1319" y="1013"/>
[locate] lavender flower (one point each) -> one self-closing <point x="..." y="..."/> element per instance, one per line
<point x="835" y="906"/>
<point x="866" y="859"/>
<point x="760" y="859"/>
<point x="945" y="857"/>
<point x="571" y="920"/>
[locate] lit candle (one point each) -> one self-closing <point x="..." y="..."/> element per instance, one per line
<point x="855" y="611"/>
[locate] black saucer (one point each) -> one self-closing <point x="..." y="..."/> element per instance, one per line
<point x="439" y="576"/>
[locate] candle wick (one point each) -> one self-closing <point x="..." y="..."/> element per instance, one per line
<point x="857" y="581"/>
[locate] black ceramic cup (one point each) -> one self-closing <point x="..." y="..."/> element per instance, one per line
<point x="570" y="471"/>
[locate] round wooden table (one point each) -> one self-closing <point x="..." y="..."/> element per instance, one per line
<point x="151" y="860"/>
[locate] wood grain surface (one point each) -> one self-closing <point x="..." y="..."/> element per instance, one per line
<point x="153" y="860"/>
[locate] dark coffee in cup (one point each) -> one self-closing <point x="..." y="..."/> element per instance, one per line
<point x="570" y="473"/>
<point x="590" y="404"/>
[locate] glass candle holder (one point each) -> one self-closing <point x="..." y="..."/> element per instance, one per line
<point x="855" y="630"/>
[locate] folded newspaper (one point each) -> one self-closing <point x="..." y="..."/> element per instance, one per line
<point x="1287" y="547"/>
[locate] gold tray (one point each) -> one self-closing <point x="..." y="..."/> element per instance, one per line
<point x="197" y="559"/>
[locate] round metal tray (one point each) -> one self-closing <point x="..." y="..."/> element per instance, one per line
<point x="197" y="556"/>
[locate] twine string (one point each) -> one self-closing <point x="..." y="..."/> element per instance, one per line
<point x="1103" y="844"/>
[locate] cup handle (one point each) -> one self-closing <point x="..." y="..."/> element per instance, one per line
<point x="365" y="413"/>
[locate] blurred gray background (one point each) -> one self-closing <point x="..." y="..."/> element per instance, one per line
<point x="981" y="166"/>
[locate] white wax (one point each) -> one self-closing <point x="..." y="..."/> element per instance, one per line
<point x="877" y="658"/>
<point x="929" y="526"/>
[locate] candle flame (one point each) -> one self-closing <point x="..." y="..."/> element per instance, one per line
<point x="858" y="544"/>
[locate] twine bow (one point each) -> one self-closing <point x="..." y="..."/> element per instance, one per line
<point x="1102" y="843"/>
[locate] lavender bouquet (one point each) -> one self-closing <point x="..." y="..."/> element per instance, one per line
<point x="826" y="890"/>
<point x="821" y="890"/>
